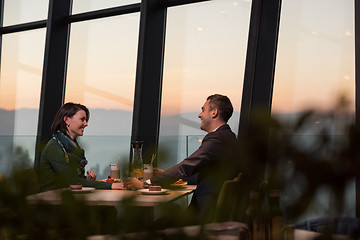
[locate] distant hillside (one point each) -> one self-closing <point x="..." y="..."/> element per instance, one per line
<point x="118" y="122"/>
<point x="106" y="122"/>
<point x="102" y="122"/>
<point x="24" y="121"/>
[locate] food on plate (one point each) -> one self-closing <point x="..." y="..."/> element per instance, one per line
<point x="110" y="179"/>
<point x="180" y="182"/>
<point x="77" y="186"/>
<point x="154" y="188"/>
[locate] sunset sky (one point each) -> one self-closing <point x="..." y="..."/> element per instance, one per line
<point x="205" y="53"/>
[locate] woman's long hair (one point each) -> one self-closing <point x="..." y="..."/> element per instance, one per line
<point x="67" y="110"/>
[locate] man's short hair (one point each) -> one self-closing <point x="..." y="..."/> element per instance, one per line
<point x="222" y="104"/>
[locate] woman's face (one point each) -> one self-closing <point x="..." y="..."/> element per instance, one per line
<point x="76" y="124"/>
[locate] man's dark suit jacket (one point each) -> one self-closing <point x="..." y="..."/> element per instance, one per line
<point x="213" y="163"/>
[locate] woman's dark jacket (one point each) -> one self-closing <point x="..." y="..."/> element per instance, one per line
<point x="63" y="163"/>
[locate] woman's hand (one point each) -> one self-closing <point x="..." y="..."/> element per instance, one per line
<point x="91" y="175"/>
<point x="133" y="183"/>
<point x="118" y="186"/>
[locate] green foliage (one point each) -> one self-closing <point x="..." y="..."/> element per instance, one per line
<point x="314" y="161"/>
<point x="304" y="155"/>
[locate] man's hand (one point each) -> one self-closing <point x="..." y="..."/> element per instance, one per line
<point x="157" y="171"/>
<point x="118" y="186"/>
<point x="133" y="183"/>
<point x="91" y="175"/>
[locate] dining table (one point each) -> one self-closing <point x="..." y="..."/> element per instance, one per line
<point x="146" y="206"/>
<point x="101" y="197"/>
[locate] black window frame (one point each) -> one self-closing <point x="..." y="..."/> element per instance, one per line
<point x="258" y="78"/>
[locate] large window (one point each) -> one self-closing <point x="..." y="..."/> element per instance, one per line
<point x="101" y="75"/>
<point x="204" y="54"/>
<point x="20" y="84"/>
<point x="316" y="60"/>
<point x="80" y="6"/>
<point x="22" y="11"/>
<point x="314" y="70"/>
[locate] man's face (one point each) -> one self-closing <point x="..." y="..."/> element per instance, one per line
<point x="206" y="116"/>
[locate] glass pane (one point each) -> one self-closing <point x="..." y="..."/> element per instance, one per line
<point x="22" y="11"/>
<point x="80" y="6"/>
<point x="205" y="54"/>
<point x="316" y="56"/>
<point x="20" y="86"/>
<point x="315" y="68"/>
<point x="101" y="75"/>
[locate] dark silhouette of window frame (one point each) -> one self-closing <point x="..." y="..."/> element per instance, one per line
<point x="258" y="78"/>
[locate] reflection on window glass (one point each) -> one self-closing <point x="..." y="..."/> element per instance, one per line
<point x="101" y="75"/>
<point x="80" y="6"/>
<point x="22" y="11"/>
<point x="315" y="63"/>
<point x="20" y="85"/>
<point x="315" y="70"/>
<point x="204" y="54"/>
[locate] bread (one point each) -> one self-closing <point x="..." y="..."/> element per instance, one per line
<point x="154" y="188"/>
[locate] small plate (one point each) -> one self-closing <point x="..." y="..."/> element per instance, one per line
<point x="147" y="192"/>
<point x="83" y="190"/>
<point x="179" y="185"/>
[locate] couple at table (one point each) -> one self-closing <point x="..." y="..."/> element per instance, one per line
<point x="63" y="159"/>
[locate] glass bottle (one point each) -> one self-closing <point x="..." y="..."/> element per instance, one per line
<point x="289" y="232"/>
<point x="276" y="216"/>
<point x="255" y="217"/>
<point x="137" y="167"/>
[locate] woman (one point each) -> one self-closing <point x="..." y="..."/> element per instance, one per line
<point x="62" y="161"/>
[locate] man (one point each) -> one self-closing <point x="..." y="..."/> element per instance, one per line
<point x="212" y="162"/>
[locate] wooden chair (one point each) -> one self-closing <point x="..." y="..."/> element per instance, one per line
<point x="232" y="200"/>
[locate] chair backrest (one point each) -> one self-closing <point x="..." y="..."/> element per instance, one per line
<point x="232" y="200"/>
<point x="2" y="177"/>
<point x="26" y="182"/>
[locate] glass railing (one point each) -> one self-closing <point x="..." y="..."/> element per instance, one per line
<point x="174" y="149"/>
<point x="100" y="151"/>
<point x="16" y="150"/>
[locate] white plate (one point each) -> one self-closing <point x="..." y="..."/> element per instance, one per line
<point x="83" y="190"/>
<point x="147" y="192"/>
